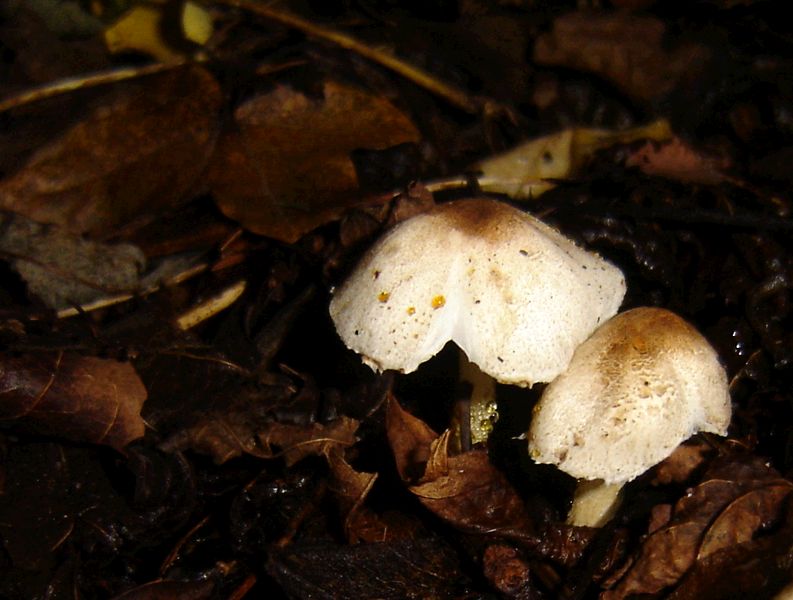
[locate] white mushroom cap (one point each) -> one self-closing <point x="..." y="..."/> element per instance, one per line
<point x="514" y="294"/>
<point x="643" y="383"/>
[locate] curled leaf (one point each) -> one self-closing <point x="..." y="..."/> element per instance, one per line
<point x="734" y="503"/>
<point x="81" y="398"/>
<point x="465" y="490"/>
<point x="287" y="168"/>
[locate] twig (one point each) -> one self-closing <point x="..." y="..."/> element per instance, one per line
<point x="450" y="93"/>
<point x="70" y="84"/>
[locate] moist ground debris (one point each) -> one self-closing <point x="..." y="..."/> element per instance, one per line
<point x="184" y="184"/>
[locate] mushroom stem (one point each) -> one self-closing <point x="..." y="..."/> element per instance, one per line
<point x="594" y="503"/>
<point x="483" y="410"/>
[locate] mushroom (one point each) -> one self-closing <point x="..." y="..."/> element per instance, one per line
<point x="643" y="383"/>
<point x="514" y="294"/>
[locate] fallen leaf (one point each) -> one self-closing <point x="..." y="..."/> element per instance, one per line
<point x="295" y="442"/>
<point x="674" y="159"/>
<point x="679" y="466"/>
<point x="745" y="515"/>
<point x="121" y="160"/>
<point x="758" y="568"/>
<point x="530" y="168"/>
<point x="350" y="488"/>
<point x="465" y="490"/>
<point x="80" y="398"/>
<point x="410" y="439"/>
<point x="508" y="571"/>
<point x="63" y="269"/>
<point x="406" y="568"/>
<point x="55" y="497"/>
<point x="735" y="501"/>
<point x="286" y="168"/>
<point x="630" y="51"/>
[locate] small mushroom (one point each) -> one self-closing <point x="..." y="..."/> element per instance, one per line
<point x="513" y="293"/>
<point x="643" y="383"/>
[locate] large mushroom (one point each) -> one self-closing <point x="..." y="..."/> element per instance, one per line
<point x="643" y="383"/>
<point x="513" y="293"/>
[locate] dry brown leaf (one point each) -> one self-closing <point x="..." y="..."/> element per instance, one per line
<point x="224" y="437"/>
<point x="295" y="442"/>
<point x="743" y="517"/>
<point x="677" y="160"/>
<point x="734" y="502"/>
<point x="81" y="398"/>
<point x="465" y="490"/>
<point x="140" y="150"/>
<point x="410" y="439"/>
<point x="683" y="462"/>
<point x="629" y="51"/>
<point x="286" y="169"/>
<point x="350" y="488"/>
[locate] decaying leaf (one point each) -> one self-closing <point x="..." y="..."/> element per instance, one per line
<point x="507" y="570"/>
<point x="350" y="488"/>
<point x="735" y="502"/>
<point x="81" y="398"/>
<point x="227" y="434"/>
<point x="55" y="496"/>
<point x="162" y="589"/>
<point x="137" y="151"/>
<point x="466" y="490"/>
<point x="406" y="568"/>
<point x="677" y="160"/>
<point x="295" y="442"/>
<point x="286" y="169"/>
<point x="64" y="269"/>
<point x="529" y="169"/>
<point x="680" y="465"/>
<point x="628" y="50"/>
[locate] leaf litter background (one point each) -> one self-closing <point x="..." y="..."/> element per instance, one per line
<point x="150" y="448"/>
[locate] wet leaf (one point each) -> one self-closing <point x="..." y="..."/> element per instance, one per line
<point x="56" y="496"/>
<point x="169" y="590"/>
<point x="420" y="568"/>
<point x="508" y="571"/>
<point x="287" y="168"/>
<point x="630" y="51"/>
<point x="120" y="160"/>
<point x="63" y="269"/>
<point x="80" y="398"/>
<point x="735" y="501"/>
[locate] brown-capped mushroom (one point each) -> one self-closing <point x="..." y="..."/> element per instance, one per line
<point x="644" y="382"/>
<point x="513" y="293"/>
